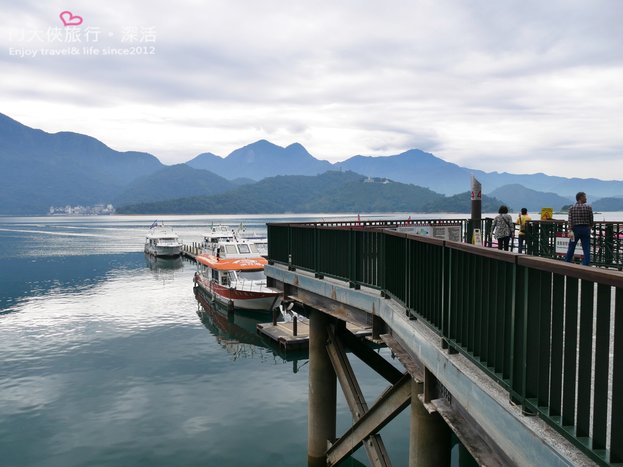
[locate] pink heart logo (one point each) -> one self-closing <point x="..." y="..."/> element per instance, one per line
<point x="69" y="19"/>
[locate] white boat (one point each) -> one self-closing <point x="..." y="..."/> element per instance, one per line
<point x="222" y="233"/>
<point x="231" y="272"/>
<point x="261" y="243"/>
<point x="218" y="234"/>
<point x="162" y="242"/>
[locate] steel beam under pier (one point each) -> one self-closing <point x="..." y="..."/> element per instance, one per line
<point x="390" y="404"/>
<point x="356" y="402"/>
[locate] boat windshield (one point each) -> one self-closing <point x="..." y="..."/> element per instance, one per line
<point x="230" y="249"/>
<point x="247" y="248"/>
<point x="257" y="275"/>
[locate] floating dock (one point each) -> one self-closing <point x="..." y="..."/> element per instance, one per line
<point x="284" y="335"/>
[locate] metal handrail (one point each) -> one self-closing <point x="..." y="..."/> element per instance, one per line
<point x="539" y="327"/>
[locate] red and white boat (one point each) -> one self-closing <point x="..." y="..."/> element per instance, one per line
<point x="234" y="276"/>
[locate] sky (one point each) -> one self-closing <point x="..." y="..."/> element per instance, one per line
<point x="515" y="86"/>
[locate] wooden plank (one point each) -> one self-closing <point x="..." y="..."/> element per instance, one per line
<point x="282" y="333"/>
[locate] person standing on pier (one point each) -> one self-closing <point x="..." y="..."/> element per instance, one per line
<point x="503" y="228"/>
<point x="521" y="222"/>
<point x="580" y="222"/>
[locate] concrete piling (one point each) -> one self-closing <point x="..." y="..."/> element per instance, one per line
<point x="322" y="392"/>
<point x="429" y="444"/>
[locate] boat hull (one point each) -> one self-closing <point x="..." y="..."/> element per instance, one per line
<point x="164" y="251"/>
<point x="264" y="300"/>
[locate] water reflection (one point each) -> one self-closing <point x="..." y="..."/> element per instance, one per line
<point x="160" y="264"/>
<point x="163" y="269"/>
<point x="236" y="333"/>
<point x="22" y="279"/>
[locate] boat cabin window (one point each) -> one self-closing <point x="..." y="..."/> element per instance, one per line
<point x="230" y="249"/>
<point x="247" y="248"/>
<point x="227" y="278"/>
<point x="215" y="275"/>
<point x="257" y="275"/>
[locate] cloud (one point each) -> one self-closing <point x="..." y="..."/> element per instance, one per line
<point x="502" y="84"/>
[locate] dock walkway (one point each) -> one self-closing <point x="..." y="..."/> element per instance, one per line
<point x="191" y="251"/>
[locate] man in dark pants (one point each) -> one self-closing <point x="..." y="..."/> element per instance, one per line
<point x="580" y="222"/>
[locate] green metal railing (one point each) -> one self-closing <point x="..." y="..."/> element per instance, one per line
<point x="310" y="233"/>
<point x="606" y="241"/>
<point x="550" y="333"/>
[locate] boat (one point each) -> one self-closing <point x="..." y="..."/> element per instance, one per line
<point x="218" y="234"/>
<point x="221" y="233"/>
<point x="231" y="272"/>
<point x="162" y="242"/>
<point x="261" y="243"/>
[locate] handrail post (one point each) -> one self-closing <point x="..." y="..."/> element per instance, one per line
<point x="609" y="244"/>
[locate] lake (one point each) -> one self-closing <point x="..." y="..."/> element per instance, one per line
<point x="108" y="358"/>
<point x="106" y="361"/>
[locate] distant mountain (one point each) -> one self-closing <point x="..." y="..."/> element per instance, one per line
<point x="332" y="191"/>
<point x="260" y="160"/>
<point x="176" y="181"/>
<point x="517" y="196"/>
<point x="608" y="204"/>
<point x="425" y="169"/>
<point x="271" y="195"/>
<point x="207" y="161"/>
<point x="40" y="169"/>
<point x="242" y="181"/>
<point x="462" y="203"/>
<point x="566" y="187"/>
<point x="413" y="166"/>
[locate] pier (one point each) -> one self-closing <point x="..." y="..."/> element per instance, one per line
<point x="190" y="251"/>
<point x="520" y="356"/>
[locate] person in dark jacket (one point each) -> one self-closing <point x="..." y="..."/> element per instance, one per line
<point x="580" y="223"/>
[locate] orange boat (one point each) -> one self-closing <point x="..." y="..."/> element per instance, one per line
<point x="236" y="280"/>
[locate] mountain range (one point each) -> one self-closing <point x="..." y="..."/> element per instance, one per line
<point x="332" y="191"/>
<point x="260" y="160"/>
<point x="41" y="169"/>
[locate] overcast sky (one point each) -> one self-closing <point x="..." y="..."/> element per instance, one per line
<point x="518" y="86"/>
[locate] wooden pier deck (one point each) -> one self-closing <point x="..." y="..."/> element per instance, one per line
<point x="282" y="333"/>
<point x="191" y="251"/>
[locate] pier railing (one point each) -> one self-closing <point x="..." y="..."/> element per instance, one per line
<point x="606" y="241"/>
<point x="548" y="332"/>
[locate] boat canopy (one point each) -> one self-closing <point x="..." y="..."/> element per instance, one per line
<point x="232" y="264"/>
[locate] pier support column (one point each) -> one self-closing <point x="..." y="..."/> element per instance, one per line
<point x="322" y="392"/>
<point x="429" y="445"/>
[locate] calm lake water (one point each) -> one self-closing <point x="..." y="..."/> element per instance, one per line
<point x="106" y="361"/>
